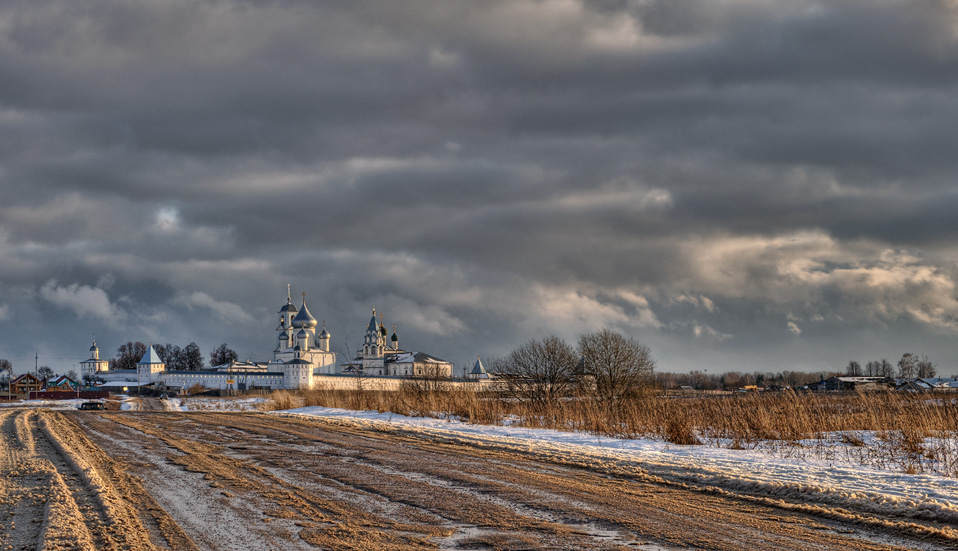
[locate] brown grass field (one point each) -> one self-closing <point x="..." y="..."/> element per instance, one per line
<point x="911" y="433"/>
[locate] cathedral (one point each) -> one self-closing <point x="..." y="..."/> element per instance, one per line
<point x="297" y="339"/>
<point x="301" y="360"/>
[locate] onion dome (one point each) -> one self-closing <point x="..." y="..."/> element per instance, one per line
<point x="395" y="337"/>
<point x="302" y="334"/>
<point x="93" y="348"/>
<point x="303" y="318"/>
<point x="325" y="333"/>
<point x="283" y="336"/>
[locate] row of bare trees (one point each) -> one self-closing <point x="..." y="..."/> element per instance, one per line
<point x="605" y="364"/>
<point x="910" y="366"/>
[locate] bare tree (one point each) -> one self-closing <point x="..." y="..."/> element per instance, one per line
<point x="127" y="355"/>
<point x="620" y="366"/>
<point x="907" y="368"/>
<point x="854" y="369"/>
<point x="885" y="369"/>
<point x="45" y="372"/>
<point x="925" y="367"/>
<point x="541" y="372"/>
<point x="171" y="354"/>
<point x="193" y="358"/>
<point x="222" y="355"/>
<point x="5" y="366"/>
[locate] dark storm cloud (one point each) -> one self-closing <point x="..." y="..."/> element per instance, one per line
<point x="722" y="179"/>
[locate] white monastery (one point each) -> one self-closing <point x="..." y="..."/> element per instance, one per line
<point x="301" y="360"/>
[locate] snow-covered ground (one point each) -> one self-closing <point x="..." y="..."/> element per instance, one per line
<point x="52" y="404"/>
<point x="214" y="404"/>
<point x="128" y="403"/>
<point x="842" y="483"/>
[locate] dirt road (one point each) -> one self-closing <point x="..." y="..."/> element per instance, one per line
<point x="251" y="481"/>
<point x="61" y="491"/>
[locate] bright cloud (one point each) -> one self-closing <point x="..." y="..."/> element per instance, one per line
<point x="224" y="310"/>
<point x="84" y="300"/>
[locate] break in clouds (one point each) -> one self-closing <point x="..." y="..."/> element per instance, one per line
<point x="741" y="184"/>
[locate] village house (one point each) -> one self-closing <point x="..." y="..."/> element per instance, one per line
<point x="26" y="383"/>
<point x="62" y="384"/>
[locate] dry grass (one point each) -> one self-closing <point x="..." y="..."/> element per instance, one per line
<point x="902" y="432"/>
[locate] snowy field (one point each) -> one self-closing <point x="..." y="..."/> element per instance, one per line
<point x="930" y="497"/>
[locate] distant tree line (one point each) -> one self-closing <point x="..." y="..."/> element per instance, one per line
<point x="188" y="358"/>
<point x="176" y="358"/>
<point x="731" y="380"/>
<point x="910" y="366"/>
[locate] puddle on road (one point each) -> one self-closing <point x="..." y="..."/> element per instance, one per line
<point x="466" y="533"/>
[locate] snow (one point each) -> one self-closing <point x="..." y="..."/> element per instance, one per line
<point x="49" y="404"/>
<point x="752" y="471"/>
<point x="214" y="404"/>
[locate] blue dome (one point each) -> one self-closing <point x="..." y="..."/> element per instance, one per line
<point x="304" y="319"/>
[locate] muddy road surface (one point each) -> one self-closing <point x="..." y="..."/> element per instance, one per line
<point x="215" y="481"/>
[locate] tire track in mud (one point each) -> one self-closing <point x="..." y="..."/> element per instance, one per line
<point x="25" y="482"/>
<point x="59" y="491"/>
<point x="341" y="487"/>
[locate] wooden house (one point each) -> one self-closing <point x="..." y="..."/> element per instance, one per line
<point x="26" y="383"/>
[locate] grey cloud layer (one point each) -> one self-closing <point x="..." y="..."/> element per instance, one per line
<point x="736" y="182"/>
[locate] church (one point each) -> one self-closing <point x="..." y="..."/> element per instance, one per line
<point x="378" y="357"/>
<point x="301" y="360"/>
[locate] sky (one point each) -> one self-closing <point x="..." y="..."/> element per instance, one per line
<point x="742" y="185"/>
